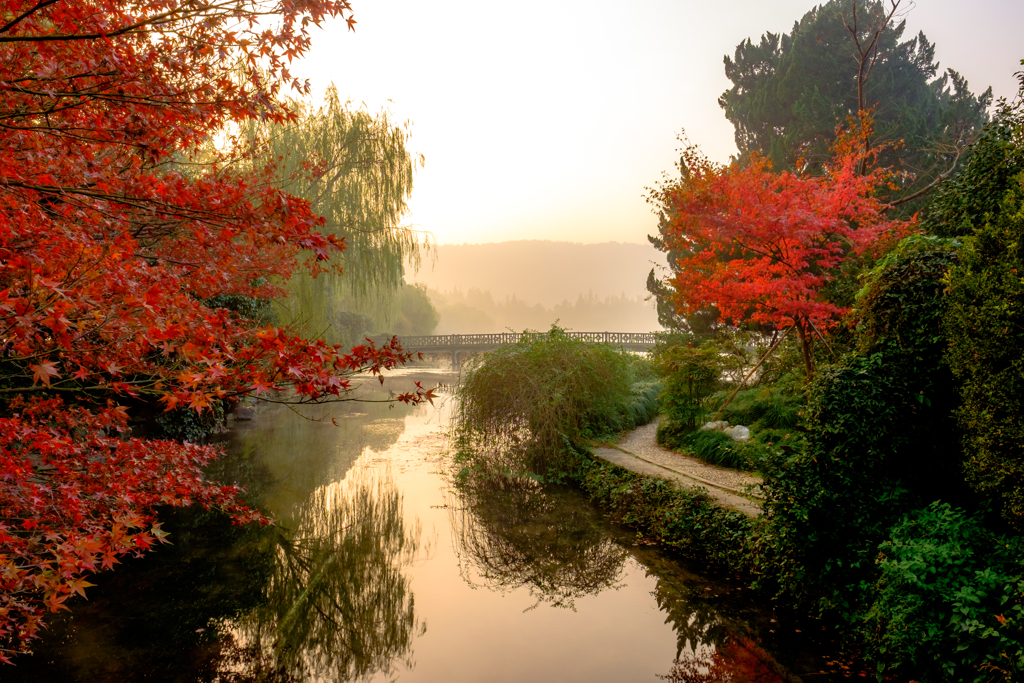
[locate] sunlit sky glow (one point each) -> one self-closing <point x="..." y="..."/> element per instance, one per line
<point x="547" y="120"/>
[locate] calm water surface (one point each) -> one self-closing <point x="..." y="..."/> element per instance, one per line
<point x="378" y="570"/>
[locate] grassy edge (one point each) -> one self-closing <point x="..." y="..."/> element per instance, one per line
<point x="686" y="521"/>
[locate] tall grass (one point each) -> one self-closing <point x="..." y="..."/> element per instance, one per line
<point x="534" y="405"/>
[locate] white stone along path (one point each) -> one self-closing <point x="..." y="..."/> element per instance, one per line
<point x="639" y="451"/>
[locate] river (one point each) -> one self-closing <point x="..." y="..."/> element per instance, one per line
<point x="378" y="569"/>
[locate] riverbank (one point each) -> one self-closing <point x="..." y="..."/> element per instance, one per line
<point x="705" y="513"/>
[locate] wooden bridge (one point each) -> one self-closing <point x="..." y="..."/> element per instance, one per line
<point x="476" y="343"/>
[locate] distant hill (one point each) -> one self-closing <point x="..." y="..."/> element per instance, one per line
<point x="541" y="272"/>
<point x="475" y="312"/>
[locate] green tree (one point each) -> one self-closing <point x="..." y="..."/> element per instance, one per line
<point x="356" y="170"/>
<point x="790" y="91"/>
<point x="416" y="313"/>
<point x="985" y="324"/>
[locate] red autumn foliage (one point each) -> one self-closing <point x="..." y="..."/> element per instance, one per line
<point x="110" y="241"/>
<point x="761" y="246"/>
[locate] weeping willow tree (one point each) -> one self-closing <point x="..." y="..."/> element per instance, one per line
<point x="356" y="170"/>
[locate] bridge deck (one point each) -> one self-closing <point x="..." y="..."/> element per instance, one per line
<point x="451" y="342"/>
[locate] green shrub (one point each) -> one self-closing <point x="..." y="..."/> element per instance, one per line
<point x="985" y="325"/>
<point x="350" y="328"/>
<point x="185" y="424"/>
<point x="715" y="448"/>
<point x="777" y="409"/>
<point x="948" y="603"/>
<point x="257" y="311"/>
<point x="644" y="403"/>
<point x="995" y="160"/>
<point x="690" y="377"/>
<point x="880" y="440"/>
<point x="684" y="520"/>
<point x="534" y="405"/>
<point x="774" y="415"/>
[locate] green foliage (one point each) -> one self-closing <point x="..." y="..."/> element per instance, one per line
<point x="185" y="424"/>
<point x="964" y="203"/>
<point x="259" y="311"/>
<point x="351" y="328"/>
<point x="690" y="376"/>
<point x="777" y="406"/>
<point x="644" y="402"/>
<point x="684" y="520"/>
<point x="985" y="324"/>
<point x="715" y="448"/>
<point x="533" y="405"/>
<point x="985" y="205"/>
<point x="363" y="179"/>
<point x="948" y="602"/>
<point x="772" y="410"/>
<point x="416" y="313"/>
<point x="900" y="308"/>
<point x="774" y="415"/>
<point x="880" y="440"/>
<point x="791" y="91"/>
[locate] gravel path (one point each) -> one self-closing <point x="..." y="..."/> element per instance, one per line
<point x="639" y="451"/>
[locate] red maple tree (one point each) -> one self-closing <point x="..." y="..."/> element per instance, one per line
<point x="110" y="242"/>
<point x="761" y="246"/>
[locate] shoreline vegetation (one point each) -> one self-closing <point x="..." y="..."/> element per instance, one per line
<point x="567" y="398"/>
<point x="887" y="429"/>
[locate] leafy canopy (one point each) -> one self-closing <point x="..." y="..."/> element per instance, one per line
<point x="356" y="170"/>
<point x="761" y="246"/>
<point x="111" y="240"/>
<point x="791" y="90"/>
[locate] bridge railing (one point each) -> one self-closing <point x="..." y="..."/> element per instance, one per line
<point x="464" y="341"/>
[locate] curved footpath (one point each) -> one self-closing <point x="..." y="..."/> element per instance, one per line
<point x="639" y="451"/>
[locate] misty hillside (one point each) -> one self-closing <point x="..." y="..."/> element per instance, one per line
<point x="476" y="312"/>
<point x="541" y="272"/>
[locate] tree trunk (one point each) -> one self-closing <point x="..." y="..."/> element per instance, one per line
<point x="806" y="347"/>
<point x="750" y="374"/>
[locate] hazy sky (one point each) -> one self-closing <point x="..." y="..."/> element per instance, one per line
<point x="547" y="120"/>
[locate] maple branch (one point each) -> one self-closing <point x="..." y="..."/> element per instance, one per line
<point x="134" y="201"/>
<point x="750" y="374"/>
<point x="930" y="186"/>
<point x="11" y="24"/>
<point x="152" y="258"/>
<point x="775" y="257"/>
<point x="167" y="17"/>
<point x="820" y="336"/>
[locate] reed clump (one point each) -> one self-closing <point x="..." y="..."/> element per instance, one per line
<point x="535" y="405"/>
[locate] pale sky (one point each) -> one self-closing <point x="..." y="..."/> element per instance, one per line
<point x="547" y="120"/>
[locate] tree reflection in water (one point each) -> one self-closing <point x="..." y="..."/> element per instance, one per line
<point x="716" y="628"/>
<point x="337" y="606"/>
<point x="511" y="533"/>
<point x="737" y="660"/>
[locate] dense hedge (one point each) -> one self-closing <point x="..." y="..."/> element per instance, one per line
<point x="879" y="442"/>
<point x="687" y="521"/>
<point x="961" y="204"/>
<point x="985" y="324"/>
